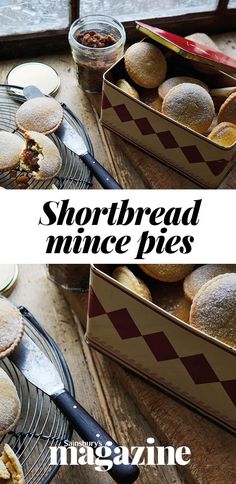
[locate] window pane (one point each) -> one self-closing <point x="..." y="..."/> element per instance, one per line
<point x="127" y="9"/>
<point x="22" y="16"/>
<point x="232" y="4"/>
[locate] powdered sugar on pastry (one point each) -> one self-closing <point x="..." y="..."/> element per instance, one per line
<point x="213" y="310"/>
<point x="41" y="114"/>
<point x="11" y="146"/>
<point x="11" y="328"/>
<point x="194" y="281"/>
<point x="9" y="404"/>
<point x="190" y="105"/>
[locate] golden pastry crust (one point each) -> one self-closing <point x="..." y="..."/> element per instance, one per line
<point x="196" y="279"/>
<point x="11" y="328"/>
<point x="168" y="84"/>
<point x="213" y="310"/>
<point x="191" y="105"/>
<point x="167" y="272"/>
<point x="11" y="146"/>
<point x="13" y="466"/>
<point x="170" y="297"/>
<point x="145" y="64"/>
<point x="128" y="279"/>
<point x="42" y="114"/>
<point x="126" y="87"/>
<point x="9" y="404"/>
<point x="224" y="134"/>
<point x="49" y="160"/>
<point x="227" y="111"/>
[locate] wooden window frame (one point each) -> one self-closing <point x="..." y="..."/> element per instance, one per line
<point x="219" y="20"/>
<point x="36" y="43"/>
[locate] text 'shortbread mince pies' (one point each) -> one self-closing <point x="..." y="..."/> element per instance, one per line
<point x="9" y="404"/>
<point x="213" y="310"/>
<point x="168" y="84"/>
<point x="41" y="158"/>
<point x="11" y="146"/>
<point x="145" y="64"/>
<point x="11" y="471"/>
<point x="194" y="281"/>
<point x="227" y="111"/>
<point x="11" y="328"/>
<point x="128" y="279"/>
<point x="167" y="272"/>
<point x="224" y="134"/>
<point x="191" y="105"/>
<point x="42" y="114"/>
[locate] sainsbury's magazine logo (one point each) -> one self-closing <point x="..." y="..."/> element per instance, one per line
<point x="103" y="457"/>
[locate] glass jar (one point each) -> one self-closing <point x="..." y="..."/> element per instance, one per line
<point x="92" y="62"/>
<point x="73" y="277"/>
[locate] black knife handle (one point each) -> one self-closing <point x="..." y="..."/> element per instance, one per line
<point x="102" y="175"/>
<point x="88" y="429"/>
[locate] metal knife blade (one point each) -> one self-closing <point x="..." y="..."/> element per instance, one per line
<point x="37" y="367"/>
<point x="71" y="138"/>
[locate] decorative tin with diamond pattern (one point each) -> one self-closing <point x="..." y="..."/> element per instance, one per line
<point x="176" y="145"/>
<point x="171" y="354"/>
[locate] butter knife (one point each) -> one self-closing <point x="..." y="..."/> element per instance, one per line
<point x="38" y="369"/>
<point x="72" y="140"/>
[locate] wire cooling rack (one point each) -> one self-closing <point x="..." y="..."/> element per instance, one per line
<point x="41" y="424"/>
<point x="74" y="173"/>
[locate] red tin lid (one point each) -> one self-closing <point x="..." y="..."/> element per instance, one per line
<point x="190" y="49"/>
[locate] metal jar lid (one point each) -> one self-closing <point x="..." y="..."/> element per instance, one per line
<point x="38" y="74"/>
<point x="8" y="277"/>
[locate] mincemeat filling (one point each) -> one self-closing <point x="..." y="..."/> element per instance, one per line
<point x="30" y="155"/>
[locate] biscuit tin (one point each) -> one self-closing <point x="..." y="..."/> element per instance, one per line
<point x="181" y="360"/>
<point x="183" y="149"/>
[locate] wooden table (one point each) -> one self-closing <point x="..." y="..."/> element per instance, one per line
<point x="97" y="387"/>
<point x="128" y="164"/>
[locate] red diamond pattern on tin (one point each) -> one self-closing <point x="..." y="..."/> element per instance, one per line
<point x="230" y="388"/>
<point x="144" y="126"/>
<point x="197" y="365"/>
<point x="160" y="346"/>
<point x="94" y="306"/>
<point x="217" y="166"/>
<point x="199" y="369"/>
<point x="123" y="113"/>
<point x="124" y="324"/>
<point x="167" y="139"/>
<point x="105" y="102"/>
<point x="191" y="153"/>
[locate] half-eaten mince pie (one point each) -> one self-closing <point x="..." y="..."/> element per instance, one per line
<point x="11" y="471"/>
<point x="40" y="158"/>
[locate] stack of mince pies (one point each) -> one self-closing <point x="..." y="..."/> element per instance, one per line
<point x="34" y="155"/>
<point x="11" y="332"/>
<point x="204" y="296"/>
<point x="186" y="99"/>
